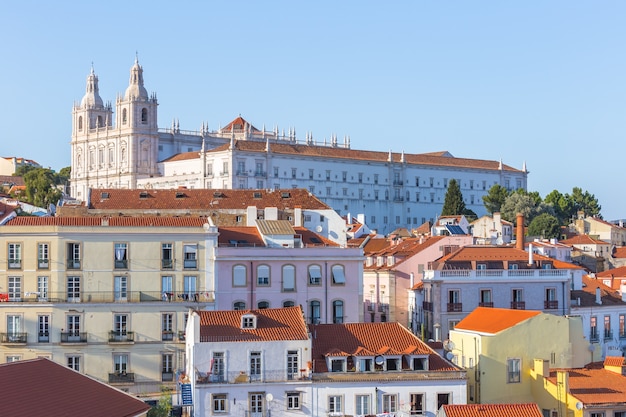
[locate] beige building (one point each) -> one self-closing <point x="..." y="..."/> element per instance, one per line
<point x="107" y="297"/>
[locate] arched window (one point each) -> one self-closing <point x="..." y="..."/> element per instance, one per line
<point x="339" y="276"/>
<point x="288" y="303"/>
<point x="239" y="276"/>
<point x="80" y="123"/>
<point x="239" y="305"/>
<point x="315" y="275"/>
<point x="262" y="275"/>
<point x="337" y="311"/>
<point x="263" y="304"/>
<point x="124" y="116"/>
<point x="99" y="122"/>
<point x="144" y="115"/>
<point x="289" y="278"/>
<point x="314" y="312"/>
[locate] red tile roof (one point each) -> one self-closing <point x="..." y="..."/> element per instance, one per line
<point x="615" y="272"/>
<point x="619" y="252"/>
<point x="614" y="361"/>
<point x="587" y="295"/>
<point x="239" y="121"/>
<point x="494" y="320"/>
<point x="583" y="240"/>
<point x="431" y="159"/>
<point x="379" y="338"/>
<point x="492" y="410"/>
<point x="403" y="251"/>
<point x="108" y="221"/>
<point x="272" y="324"/>
<point x="490" y="253"/>
<point x="40" y="387"/>
<point x="595" y="386"/>
<point x="250" y="236"/>
<point x="198" y="199"/>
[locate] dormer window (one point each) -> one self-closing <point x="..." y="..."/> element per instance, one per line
<point x="420" y="363"/>
<point x="248" y="321"/>
<point x="337" y="365"/>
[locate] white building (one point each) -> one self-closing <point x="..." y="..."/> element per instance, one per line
<point x="127" y="149"/>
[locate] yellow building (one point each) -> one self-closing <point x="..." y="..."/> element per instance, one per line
<point x="498" y="347"/>
<point x="106" y="296"/>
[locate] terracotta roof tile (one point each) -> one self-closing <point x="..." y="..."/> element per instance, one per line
<point x="620" y="252"/>
<point x="587" y="296"/>
<point x="108" y="221"/>
<point x="40" y="387"/>
<point x="272" y="324"/>
<point x="583" y="240"/>
<point x="381" y="338"/>
<point x="494" y="320"/>
<point x="492" y="410"/>
<point x="594" y="385"/>
<point x="614" y="361"/>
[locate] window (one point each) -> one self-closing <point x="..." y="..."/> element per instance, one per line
<point x="217" y="370"/>
<point x="14" y="329"/>
<point x="120" y="288"/>
<point x="513" y="370"/>
<point x="144" y="116"/>
<point x="293" y="401"/>
<point x="338" y="311"/>
<point x="263" y="304"/>
<point x="43" y="327"/>
<point x="335" y="404"/>
<point x="167" y="367"/>
<point x="608" y="334"/>
<point x="339" y="276"/>
<point x="189" y="287"/>
<point x="43" y="255"/>
<point x="167" y="326"/>
<point x="120" y="363"/>
<point x="167" y="256"/>
<point x="288" y="303"/>
<point x="622" y="326"/>
<point x="598" y="414"/>
<point x="289" y="278"/>
<point x="442" y="399"/>
<point x="225" y="168"/>
<point x="344" y="176"/>
<point x="15" y="255"/>
<point x="293" y="366"/>
<point x="219" y="403"/>
<point x="239" y="276"/>
<point x="417" y="404"/>
<point x="120" y="322"/>
<point x="256" y="404"/>
<point x="389" y="403"/>
<point x="73" y="256"/>
<point x="263" y="275"/>
<point x="167" y="288"/>
<point x="593" y="325"/>
<point x="294" y="172"/>
<point x="314" y="312"/>
<point x="73" y="328"/>
<point x="73" y="362"/>
<point x="190" y="256"/>
<point x="255" y="365"/>
<point x="375" y="178"/>
<point x="337" y="365"/>
<point x="239" y="305"/>
<point x="248" y="321"/>
<point x="363" y="404"/>
<point x="517" y="299"/>
<point x="485" y="298"/>
<point x="121" y="256"/>
<point x="315" y="274"/>
<point x="15" y="288"/>
<point x="241" y="168"/>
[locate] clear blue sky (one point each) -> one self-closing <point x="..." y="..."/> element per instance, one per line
<point x="536" y="81"/>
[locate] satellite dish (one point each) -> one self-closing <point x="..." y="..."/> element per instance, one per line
<point x="379" y="360"/>
<point x="591" y="347"/>
<point x="579" y="405"/>
<point x="449" y="356"/>
<point x="269" y="397"/>
<point x="318" y="228"/>
<point x="448" y="345"/>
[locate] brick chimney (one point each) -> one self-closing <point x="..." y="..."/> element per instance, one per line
<point x="519" y="234"/>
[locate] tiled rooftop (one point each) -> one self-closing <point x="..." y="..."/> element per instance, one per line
<point x="493" y="320"/>
<point x="583" y="240"/>
<point x="595" y="386"/>
<point x="108" y="221"/>
<point x="492" y="410"/>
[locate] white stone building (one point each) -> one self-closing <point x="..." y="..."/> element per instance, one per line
<point x="125" y="148"/>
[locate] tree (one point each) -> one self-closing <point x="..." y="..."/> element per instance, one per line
<point x="545" y="225"/>
<point x="453" y="203"/>
<point x="64" y="175"/>
<point x="583" y="201"/>
<point x="22" y="170"/>
<point x="518" y="203"/>
<point x="495" y="198"/>
<point x="164" y="406"/>
<point x="562" y="205"/>
<point x="40" y="187"/>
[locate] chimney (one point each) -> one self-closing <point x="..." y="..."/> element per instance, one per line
<point x="519" y="236"/>
<point x="530" y="254"/>
<point x="542" y="367"/>
<point x="598" y="296"/>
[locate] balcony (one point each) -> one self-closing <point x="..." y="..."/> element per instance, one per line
<point x="593" y="334"/>
<point x="13" y="338"/>
<point x="497" y="274"/>
<point x="488" y="304"/>
<point x="73" y="337"/>
<point x="427" y="306"/>
<point x="455" y="307"/>
<point x="121" y="378"/>
<point x="518" y="305"/>
<point x="167" y="335"/>
<point x="43" y="263"/>
<point x="167" y="263"/>
<point x="262" y="174"/>
<point x="167" y="376"/>
<point x="73" y="264"/>
<point x="43" y="337"/>
<point x="242" y="173"/>
<point x="551" y="305"/>
<point x="240" y="377"/>
<point x="121" y="264"/>
<point x="398" y="182"/>
<point x="622" y="334"/>
<point x="608" y="334"/>
<point x="190" y="264"/>
<point x="15" y="263"/>
<point x="109" y="297"/>
<point x="121" y="337"/>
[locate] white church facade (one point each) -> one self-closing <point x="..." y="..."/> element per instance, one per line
<point x="125" y="148"/>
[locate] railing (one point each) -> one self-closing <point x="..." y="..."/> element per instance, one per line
<point x="593" y="335"/>
<point x="121" y="264"/>
<point x="608" y="334"/>
<point x="495" y="273"/>
<point x="43" y="263"/>
<point x="73" y="337"/>
<point x="167" y="263"/>
<point x="167" y="376"/>
<point x="427" y="306"/>
<point x="15" y="263"/>
<point x="73" y="264"/>
<point x="243" y="173"/>
<point x="17" y="338"/>
<point x="167" y="335"/>
<point x="121" y="336"/>
<point x="622" y="334"/>
<point x="43" y="337"/>
<point x="190" y="264"/>
<point x="243" y="377"/>
<point x="121" y="377"/>
<point x="518" y="305"/>
<point x="110" y="297"/>
<point x="398" y="182"/>
<point x="486" y="304"/>
<point x="455" y="307"/>
<point x="551" y="305"/>
<point x="260" y="174"/>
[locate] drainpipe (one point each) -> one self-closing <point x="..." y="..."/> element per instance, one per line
<point x="325" y="292"/>
<point x="251" y="287"/>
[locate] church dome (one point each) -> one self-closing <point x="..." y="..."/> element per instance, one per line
<point x="135" y="86"/>
<point x="92" y="97"/>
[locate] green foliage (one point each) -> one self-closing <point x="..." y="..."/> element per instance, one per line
<point x="453" y="203"/>
<point x="164" y="406"/>
<point x="518" y="203"/>
<point x="544" y="225"/>
<point x="64" y="175"/>
<point x="495" y="198"/>
<point x="562" y="205"/>
<point x="40" y="187"/>
<point x="23" y="170"/>
<point x="585" y="202"/>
